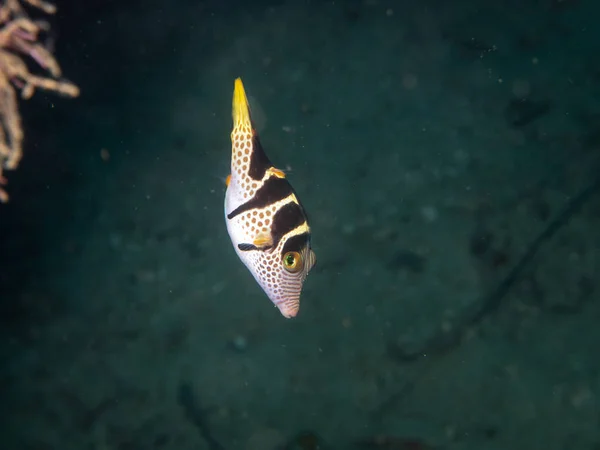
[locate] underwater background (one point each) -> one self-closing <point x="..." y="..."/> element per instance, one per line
<point x="448" y="156"/>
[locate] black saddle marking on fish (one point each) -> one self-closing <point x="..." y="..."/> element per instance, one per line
<point x="273" y="190"/>
<point x="289" y="217"/>
<point x="245" y="247"/>
<point x="259" y="162"/>
<point x="296" y="243"/>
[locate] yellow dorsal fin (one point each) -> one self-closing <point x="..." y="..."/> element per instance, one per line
<point x="240" y="107"/>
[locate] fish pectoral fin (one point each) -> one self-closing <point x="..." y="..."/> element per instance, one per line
<point x="263" y="240"/>
<point x="228" y="180"/>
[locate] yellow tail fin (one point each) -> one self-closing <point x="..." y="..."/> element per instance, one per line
<point x="240" y="107"/>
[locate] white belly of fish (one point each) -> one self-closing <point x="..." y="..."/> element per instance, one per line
<point x="236" y="229"/>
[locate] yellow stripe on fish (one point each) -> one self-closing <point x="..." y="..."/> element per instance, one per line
<point x="266" y="222"/>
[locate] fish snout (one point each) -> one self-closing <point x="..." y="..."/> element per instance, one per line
<point x="289" y="308"/>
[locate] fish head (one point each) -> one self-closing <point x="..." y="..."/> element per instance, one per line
<point x="281" y="272"/>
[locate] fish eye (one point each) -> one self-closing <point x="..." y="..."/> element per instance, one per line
<point x="292" y="261"/>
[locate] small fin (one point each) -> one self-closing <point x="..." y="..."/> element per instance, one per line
<point x="228" y="180"/>
<point x="263" y="240"/>
<point x="245" y="247"/>
<point x="312" y="260"/>
<point x="276" y="172"/>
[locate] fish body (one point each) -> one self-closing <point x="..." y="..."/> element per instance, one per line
<point x="266" y="222"/>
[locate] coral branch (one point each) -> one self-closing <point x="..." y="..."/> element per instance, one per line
<point x="19" y="38"/>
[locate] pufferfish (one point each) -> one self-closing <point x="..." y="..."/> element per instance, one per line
<point x="265" y="220"/>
